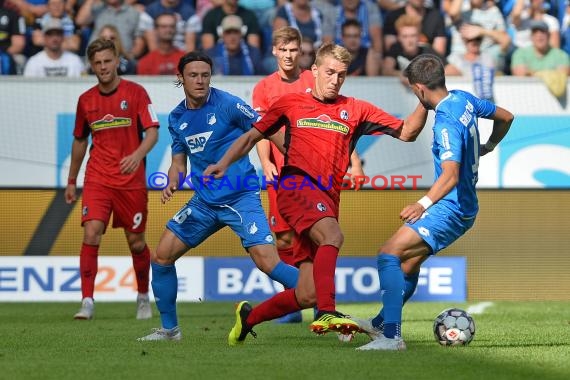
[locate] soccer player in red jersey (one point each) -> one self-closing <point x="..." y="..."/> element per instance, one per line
<point x="322" y="128"/>
<point x="115" y="112"/>
<point x="289" y="77"/>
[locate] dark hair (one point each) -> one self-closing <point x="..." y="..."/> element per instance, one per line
<point x="101" y="44"/>
<point x="426" y="69"/>
<point x="350" y="22"/>
<point x="193" y="56"/>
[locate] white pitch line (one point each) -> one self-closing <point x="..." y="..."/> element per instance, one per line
<point x="479" y="308"/>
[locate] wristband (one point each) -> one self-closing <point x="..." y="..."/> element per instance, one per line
<point x="72" y="181"/>
<point x="489" y="145"/>
<point x="425" y="202"/>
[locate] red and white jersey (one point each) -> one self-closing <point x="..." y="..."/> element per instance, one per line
<point x="320" y="137"/>
<point x="116" y="122"/>
<point x="268" y="90"/>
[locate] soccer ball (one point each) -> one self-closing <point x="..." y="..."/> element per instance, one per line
<point x="453" y="327"/>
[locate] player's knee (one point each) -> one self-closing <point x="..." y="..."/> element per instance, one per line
<point x="305" y="299"/>
<point x="137" y="247"/>
<point x="335" y="238"/>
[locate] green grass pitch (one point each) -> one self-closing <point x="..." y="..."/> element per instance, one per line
<point x="514" y="340"/>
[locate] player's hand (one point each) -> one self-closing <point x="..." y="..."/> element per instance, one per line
<point x="70" y="194"/>
<point x="213" y="170"/>
<point x="357" y="178"/>
<point x="129" y="164"/>
<point x="269" y="171"/>
<point x="411" y="213"/>
<point x="168" y="193"/>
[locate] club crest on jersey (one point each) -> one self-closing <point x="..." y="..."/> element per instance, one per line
<point x="84" y="211"/>
<point x="124" y="105"/>
<point x="323" y="122"/>
<point x="321" y="207"/>
<point x="344" y="115"/>
<point x="211" y="118"/>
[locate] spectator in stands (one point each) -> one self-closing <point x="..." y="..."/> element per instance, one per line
<point x="432" y="30"/>
<point x="474" y="65"/>
<point x="212" y="33"/>
<point x="232" y="55"/>
<point x="112" y="12"/>
<point x="308" y="53"/>
<point x="30" y="9"/>
<point x="485" y="20"/>
<point x="188" y="24"/>
<point x="56" y="10"/>
<point x="541" y="55"/>
<point x="53" y="60"/>
<point x="12" y="37"/>
<point x="565" y="30"/>
<point x="407" y="46"/>
<point x="310" y="20"/>
<point x="521" y="17"/>
<point x="164" y="59"/>
<point x="364" y="60"/>
<point x="126" y="66"/>
<point x="368" y="15"/>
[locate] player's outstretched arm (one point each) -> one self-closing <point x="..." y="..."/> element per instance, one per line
<point x="413" y="124"/>
<point x="238" y="149"/>
<point x="78" y="150"/>
<point x="443" y="185"/>
<point x="503" y="120"/>
<point x="176" y="171"/>
<point x="263" y="152"/>
<point x="356" y="171"/>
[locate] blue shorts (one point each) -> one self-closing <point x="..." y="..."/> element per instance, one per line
<point x="197" y="221"/>
<point x="439" y="227"/>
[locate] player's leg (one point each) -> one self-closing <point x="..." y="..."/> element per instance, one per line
<point x="95" y="215"/>
<point x="283" y="303"/>
<point x="130" y="213"/>
<point x="247" y="219"/>
<point x="411" y="269"/>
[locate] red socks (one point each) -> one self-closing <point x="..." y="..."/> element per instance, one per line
<point x="280" y="304"/>
<point x="324" y="267"/>
<point x="88" y="268"/>
<point x="141" y="264"/>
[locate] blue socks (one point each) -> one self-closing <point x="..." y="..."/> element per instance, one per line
<point x="392" y="290"/>
<point x="410" y="284"/>
<point x="165" y="289"/>
<point x="285" y="274"/>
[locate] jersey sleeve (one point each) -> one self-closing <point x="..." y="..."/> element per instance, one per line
<point x="275" y="116"/>
<point x="146" y="113"/>
<point x="375" y="121"/>
<point x="259" y="100"/>
<point x="241" y="114"/>
<point x="448" y="140"/>
<point x="81" y="129"/>
<point x="178" y="144"/>
<point x="484" y="108"/>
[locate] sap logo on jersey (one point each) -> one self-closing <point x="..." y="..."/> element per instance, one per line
<point x="197" y="142"/>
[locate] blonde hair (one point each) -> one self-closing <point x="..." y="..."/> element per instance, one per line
<point x="406" y="20"/>
<point x="340" y="53"/>
<point x="98" y="45"/>
<point x="286" y="35"/>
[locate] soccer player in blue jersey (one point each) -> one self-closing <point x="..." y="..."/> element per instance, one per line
<point x="202" y="127"/>
<point x="450" y="206"/>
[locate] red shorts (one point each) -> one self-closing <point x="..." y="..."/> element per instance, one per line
<point x="301" y="207"/>
<point x="129" y="207"/>
<point x="276" y="221"/>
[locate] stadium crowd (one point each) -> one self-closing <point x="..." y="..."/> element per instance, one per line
<point x="501" y="37"/>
